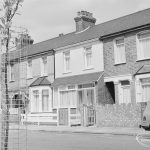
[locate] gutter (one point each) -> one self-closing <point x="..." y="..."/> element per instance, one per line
<point x="124" y="31"/>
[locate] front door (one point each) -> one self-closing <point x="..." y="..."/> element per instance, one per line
<point x="63" y="116"/>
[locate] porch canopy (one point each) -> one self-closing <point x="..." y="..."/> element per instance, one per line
<point x="77" y="79"/>
<point x="41" y="81"/>
<point x="143" y="70"/>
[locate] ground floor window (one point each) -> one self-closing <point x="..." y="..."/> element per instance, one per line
<point x="35" y="103"/>
<point x="145" y="83"/>
<point x="45" y="100"/>
<point x="40" y="100"/>
<point x="74" y="96"/>
<point x="86" y="97"/>
<point x="68" y="98"/>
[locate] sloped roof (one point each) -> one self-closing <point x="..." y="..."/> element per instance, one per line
<point x="77" y="79"/>
<point x="41" y="81"/>
<point x="143" y="69"/>
<point x="124" y="23"/>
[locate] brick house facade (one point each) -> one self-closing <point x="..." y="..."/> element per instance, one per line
<point x="128" y="95"/>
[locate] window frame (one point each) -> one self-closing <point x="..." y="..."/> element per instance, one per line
<point x="11" y="72"/>
<point x="121" y="88"/>
<point x="116" y="51"/>
<point x="64" y="60"/>
<point x="29" y="69"/>
<point x="44" y="63"/>
<point x="40" y="89"/>
<point x="138" y="45"/>
<point x="86" y="51"/>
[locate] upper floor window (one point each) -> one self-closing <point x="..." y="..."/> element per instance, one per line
<point x="29" y="69"/>
<point x="44" y="66"/>
<point x="119" y="51"/>
<point x="125" y="92"/>
<point x="88" y="57"/>
<point x="11" y="73"/>
<point x="143" y="45"/>
<point x="66" y="61"/>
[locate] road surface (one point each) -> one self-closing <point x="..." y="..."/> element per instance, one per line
<point x="41" y="140"/>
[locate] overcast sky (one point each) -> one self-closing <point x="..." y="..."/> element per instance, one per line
<point x="46" y="19"/>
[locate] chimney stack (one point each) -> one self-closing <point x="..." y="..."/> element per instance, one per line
<point x="84" y="20"/>
<point x="23" y="40"/>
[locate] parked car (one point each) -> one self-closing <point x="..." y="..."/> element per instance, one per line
<point x="145" y="123"/>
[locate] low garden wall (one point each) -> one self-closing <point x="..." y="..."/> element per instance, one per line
<point x="118" y="115"/>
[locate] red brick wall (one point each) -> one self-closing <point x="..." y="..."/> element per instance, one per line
<point x="102" y="95"/>
<point x="131" y="65"/>
<point x="118" y="115"/>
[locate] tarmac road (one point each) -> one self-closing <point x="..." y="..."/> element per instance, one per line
<point x="41" y="140"/>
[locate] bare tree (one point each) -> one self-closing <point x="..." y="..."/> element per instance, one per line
<point x="9" y="10"/>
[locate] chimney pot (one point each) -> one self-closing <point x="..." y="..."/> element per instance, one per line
<point x="84" y="20"/>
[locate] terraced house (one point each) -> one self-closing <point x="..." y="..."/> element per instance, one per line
<point x="96" y="75"/>
<point x="126" y="48"/>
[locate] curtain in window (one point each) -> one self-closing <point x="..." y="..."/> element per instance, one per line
<point x="45" y="100"/>
<point x="67" y="99"/>
<point x="67" y="61"/>
<point x="144" y="48"/>
<point x="72" y="98"/>
<point x="35" y="103"/>
<point x="63" y="99"/>
<point x="120" y="53"/>
<point x="146" y="93"/>
<point x="89" y="59"/>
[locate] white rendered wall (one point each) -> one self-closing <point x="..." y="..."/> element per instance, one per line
<point x="77" y="60"/>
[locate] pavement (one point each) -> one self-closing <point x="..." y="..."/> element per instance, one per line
<point x="92" y="130"/>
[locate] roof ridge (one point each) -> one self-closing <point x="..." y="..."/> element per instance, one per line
<point x="124" y="16"/>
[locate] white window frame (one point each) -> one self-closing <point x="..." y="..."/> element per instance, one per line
<point x="139" y="55"/>
<point x="29" y="69"/>
<point x="138" y="87"/>
<point x="87" y="50"/>
<point x="11" y="72"/>
<point x="121" y="88"/>
<point x="66" y="70"/>
<point x="44" y="66"/>
<point x="116" y="51"/>
<point x="67" y="89"/>
<point x="40" y="98"/>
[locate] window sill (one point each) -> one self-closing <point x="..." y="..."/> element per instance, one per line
<point x="122" y="63"/>
<point x="46" y="75"/>
<point x="90" y="68"/>
<point x="144" y="59"/>
<point x="28" y="78"/>
<point x="67" y="72"/>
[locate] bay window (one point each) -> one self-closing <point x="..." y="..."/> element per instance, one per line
<point x="41" y="100"/>
<point x="145" y="89"/>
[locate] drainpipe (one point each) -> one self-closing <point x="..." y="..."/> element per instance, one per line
<point x="54" y="63"/>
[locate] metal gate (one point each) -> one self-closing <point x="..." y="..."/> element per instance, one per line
<point x="88" y="115"/>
